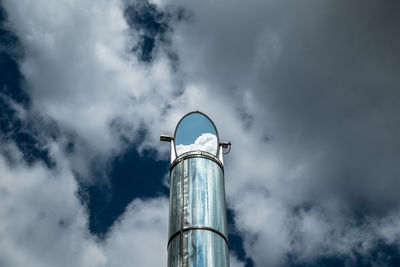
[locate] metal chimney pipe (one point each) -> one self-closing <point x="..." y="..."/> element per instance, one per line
<point x="198" y="234"/>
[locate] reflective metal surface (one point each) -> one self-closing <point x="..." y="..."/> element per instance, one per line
<point x="174" y="252"/>
<point x="175" y="201"/>
<point x="200" y="248"/>
<point x="205" y="201"/>
<point x="197" y="202"/>
<point x="197" y="154"/>
<point x="204" y="195"/>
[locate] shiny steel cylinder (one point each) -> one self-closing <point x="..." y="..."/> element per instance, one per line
<point x="197" y="219"/>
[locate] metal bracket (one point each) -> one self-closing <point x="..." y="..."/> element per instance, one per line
<point x="223" y="145"/>
<point x="167" y="138"/>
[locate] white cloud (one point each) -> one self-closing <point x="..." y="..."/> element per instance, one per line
<point x="234" y="262"/>
<point x="205" y="142"/>
<point x="140" y="237"/>
<point x="81" y="74"/>
<point x="44" y="223"/>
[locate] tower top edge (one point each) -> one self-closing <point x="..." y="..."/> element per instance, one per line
<point x="196" y="154"/>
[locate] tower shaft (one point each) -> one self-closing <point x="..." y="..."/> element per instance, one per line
<point x="197" y="220"/>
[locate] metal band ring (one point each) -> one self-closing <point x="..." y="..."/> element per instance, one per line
<point x="197" y="228"/>
<point x="196" y="154"/>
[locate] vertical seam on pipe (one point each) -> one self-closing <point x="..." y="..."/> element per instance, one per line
<point x="182" y="209"/>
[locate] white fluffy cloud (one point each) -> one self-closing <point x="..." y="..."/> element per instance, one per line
<point x="139" y="238"/>
<point x="205" y="142"/>
<point x="44" y="223"/>
<point x="81" y="74"/>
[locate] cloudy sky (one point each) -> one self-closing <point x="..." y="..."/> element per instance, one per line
<point x="308" y="92"/>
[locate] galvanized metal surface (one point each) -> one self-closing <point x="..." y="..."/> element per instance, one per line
<point x="198" y="228"/>
<point x="197" y="154"/>
<point x="200" y="249"/>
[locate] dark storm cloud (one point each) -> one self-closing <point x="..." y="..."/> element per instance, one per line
<point x="320" y="80"/>
<point x="335" y="87"/>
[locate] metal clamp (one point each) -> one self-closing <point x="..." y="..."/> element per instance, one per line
<point x="180" y="231"/>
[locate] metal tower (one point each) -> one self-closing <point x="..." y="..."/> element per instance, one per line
<point x="198" y="235"/>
